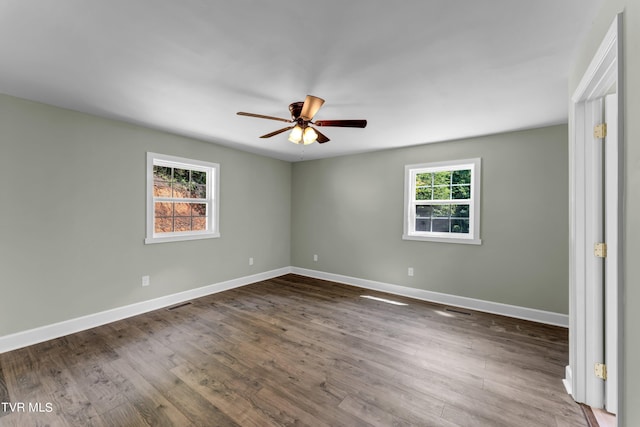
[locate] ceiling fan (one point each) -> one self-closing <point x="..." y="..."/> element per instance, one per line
<point x="301" y="114"/>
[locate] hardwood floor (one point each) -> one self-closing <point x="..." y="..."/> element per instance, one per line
<point x="604" y="418"/>
<point x="294" y="351"/>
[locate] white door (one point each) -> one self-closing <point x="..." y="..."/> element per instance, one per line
<point x="593" y="264"/>
<point x="611" y="262"/>
<point x="602" y="226"/>
<point x="601" y="278"/>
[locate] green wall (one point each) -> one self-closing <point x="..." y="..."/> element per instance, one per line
<point x="630" y="374"/>
<point x="349" y="211"/>
<point x="72" y="216"/>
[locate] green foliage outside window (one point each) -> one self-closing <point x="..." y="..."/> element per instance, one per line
<point x="444" y="185"/>
<point x="179" y="183"/>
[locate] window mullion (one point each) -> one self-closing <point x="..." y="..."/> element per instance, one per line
<point x="180" y="200"/>
<point x="443" y="202"/>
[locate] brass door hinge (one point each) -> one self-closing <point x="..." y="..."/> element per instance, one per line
<point x="600" y="250"/>
<point x="600" y="131"/>
<point x="601" y="371"/>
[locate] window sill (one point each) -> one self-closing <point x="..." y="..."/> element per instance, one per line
<point x="179" y="238"/>
<point x="461" y="240"/>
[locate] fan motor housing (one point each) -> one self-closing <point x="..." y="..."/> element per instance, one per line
<point x="295" y="108"/>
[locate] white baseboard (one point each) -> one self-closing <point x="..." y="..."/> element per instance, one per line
<point x="532" y="314"/>
<point x="567" y="380"/>
<point x="56" y="330"/>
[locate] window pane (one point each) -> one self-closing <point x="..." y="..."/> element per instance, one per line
<point x="461" y="177"/>
<point x="199" y="177"/>
<point x="460" y="211"/>
<point x="198" y="191"/>
<point x="441" y="193"/>
<point x="460" y="226"/>
<point x="163" y="225"/>
<point x="182" y="223"/>
<point x="198" y="209"/>
<point x="423" y="225"/>
<point x="161" y="181"/>
<point x="182" y="175"/>
<point x="182" y="209"/>
<point x="442" y="178"/>
<point x="423" y="211"/>
<point x="423" y="193"/>
<point x="199" y="223"/>
<point x="441" y="211"/>
<point x="163" y="209"/>
<point x="162" y="172"/>
<point x="181" y="183"/>
<point x="461" y="192"/>
<point x="440" y="225"/>
<point x="423" y="179"/>
<point x="161" y="188"/>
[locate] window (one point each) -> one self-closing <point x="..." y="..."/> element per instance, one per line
<point x="182" y="199"/>
<point x="442" y="202"/>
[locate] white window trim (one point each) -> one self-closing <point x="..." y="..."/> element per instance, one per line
<point x="213" y="192"/>
<point x="473" y="237"/>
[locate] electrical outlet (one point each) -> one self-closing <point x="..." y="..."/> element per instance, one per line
<point x="251" y="261"/>
<point x="410" y="271"/>
<point x="315" y="257"/>
<point x="145" y="281"/>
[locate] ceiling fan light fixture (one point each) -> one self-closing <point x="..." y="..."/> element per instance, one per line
<point x="309" y="136"/>
<point x="301" y="115"/>
<point x="296" y="135"/>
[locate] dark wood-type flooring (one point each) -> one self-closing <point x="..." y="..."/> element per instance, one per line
<point x="295" y="351"/>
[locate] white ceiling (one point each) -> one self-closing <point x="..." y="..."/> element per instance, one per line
<point x="418" y="70"/>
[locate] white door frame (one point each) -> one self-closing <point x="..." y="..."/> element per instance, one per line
<point x="586" y="337"/>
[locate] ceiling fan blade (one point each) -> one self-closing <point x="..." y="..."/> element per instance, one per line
<point x="310" y="107"/>
<point x="322" y="138"/>
<point x="261" y="116"/>
<point x="342" y="123"/>
<point x="277" y="132"/>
